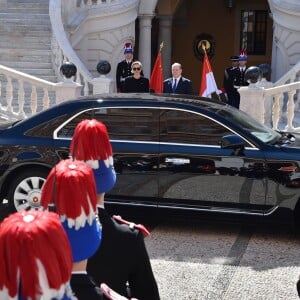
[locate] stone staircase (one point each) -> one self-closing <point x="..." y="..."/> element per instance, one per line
<point x="25" y="37"/>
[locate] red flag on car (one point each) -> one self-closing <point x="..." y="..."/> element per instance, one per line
<point x="208" y="83"/>
<point x="157" y="78"/>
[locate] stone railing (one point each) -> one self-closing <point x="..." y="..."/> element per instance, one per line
<point x="254" y="98"/>
<point x="63" y="52"/>
<point x="275" y="104"/>
<point x="24" y="95"/>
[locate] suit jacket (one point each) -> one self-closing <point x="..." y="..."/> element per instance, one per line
<point x="229" y="76"/>
<point x="132" y="85"/>
<point x="84" y="288"/>
<point x="122" y="257"/>
<point x="239" y="79"/>
<point x="184" y="86"/>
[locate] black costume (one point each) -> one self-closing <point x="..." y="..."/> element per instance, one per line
<point x="123" y="71"/>
<point x="229" y="76"/>
<point x="132" y="85"/>
<point x="238" y="81"/>
<point x="184" y="86"/>
<point x="122" y="257"/>
<point x="84" y="288"/>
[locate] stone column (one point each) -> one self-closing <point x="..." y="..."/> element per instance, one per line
<point x="102" y="85"/>
<point x="67" y="89"/>
<point x="165" y="35"/>
<point x="252" y="101"/>
<point x="145" y="43"/>
<point x="268" y="102"/>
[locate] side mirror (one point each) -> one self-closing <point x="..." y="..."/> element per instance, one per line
<point x="233" y="142"/>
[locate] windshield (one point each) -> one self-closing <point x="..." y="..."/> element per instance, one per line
<point x="262" y="132"/>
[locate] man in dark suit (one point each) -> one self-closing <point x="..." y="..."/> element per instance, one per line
<point x="177" y="84"/>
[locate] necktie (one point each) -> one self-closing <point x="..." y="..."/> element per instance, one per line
<point x="174" y="85"/>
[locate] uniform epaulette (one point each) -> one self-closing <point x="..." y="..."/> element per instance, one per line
<point x="132" y="225"/>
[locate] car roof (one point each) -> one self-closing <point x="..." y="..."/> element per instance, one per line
<point x="174" y="98"/>
<point x="119" y="99"/>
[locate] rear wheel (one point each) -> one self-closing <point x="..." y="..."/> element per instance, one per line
<point x="25" y="190"/>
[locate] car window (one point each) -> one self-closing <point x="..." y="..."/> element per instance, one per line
<point x="243" y="120"/>
<point x="67" y="130"/>
<point x="137" y="124"/>
<point x="45" y="129"/>
<point x="186" y="127"/>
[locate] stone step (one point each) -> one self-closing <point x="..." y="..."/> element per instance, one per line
<point x="25" y="37"/>
<point x="28" y="39"/>
<point x="27" y="65"/>
<point x="25" y="32"/>
<point x="31" y="29"/>
<point x="20" y="57"/>
<point x="23" y="2"/>
<point x="28" y="15"/>
<point x="32" y="23"/>
<point x="21" y="9"/>
<point x="43" y="45"/>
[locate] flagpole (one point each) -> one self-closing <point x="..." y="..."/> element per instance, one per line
<point x="204" y="50"/>
<point x="161" y="46"/>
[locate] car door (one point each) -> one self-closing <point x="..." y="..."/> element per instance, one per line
<point x="133" y="133"/>
<point x="196" y="173"/>
<point x="134" y="136"/>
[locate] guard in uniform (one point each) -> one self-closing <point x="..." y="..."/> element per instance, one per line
<point x="239" y="77"/>
<point x="121" y="261"/>
<point x="36" y="257"/>
<point x="229" y="75"/>
<point x="124" y="67"/>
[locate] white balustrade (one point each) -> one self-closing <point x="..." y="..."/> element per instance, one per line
<point x="14" y="100"/>
<point x="256" y="96"/>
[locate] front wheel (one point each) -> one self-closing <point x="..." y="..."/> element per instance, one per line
<point x="25" y="190"/>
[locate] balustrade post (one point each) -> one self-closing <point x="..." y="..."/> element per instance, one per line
<point x="276" y="111"/>
<point x="102" y="85"/>
<point x="290" y="111"/>
<point x="9" y="94"/>
<point x="67" y="90"/>
<point x="21" y="98"/>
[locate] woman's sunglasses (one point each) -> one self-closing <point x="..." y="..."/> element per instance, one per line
<point x="136" y="69"/>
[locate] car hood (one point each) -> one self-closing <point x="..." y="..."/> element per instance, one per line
<point x="7" y="121"/>
<point x="293" y="146"/>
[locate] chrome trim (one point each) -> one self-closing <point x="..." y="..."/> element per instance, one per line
<point x="211" y="209"/>
<point x="160" y="107"/>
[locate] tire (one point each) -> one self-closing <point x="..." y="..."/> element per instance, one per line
<point x="25" y="190"/>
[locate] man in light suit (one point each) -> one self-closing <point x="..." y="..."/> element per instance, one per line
<point x="177" y="84"/>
